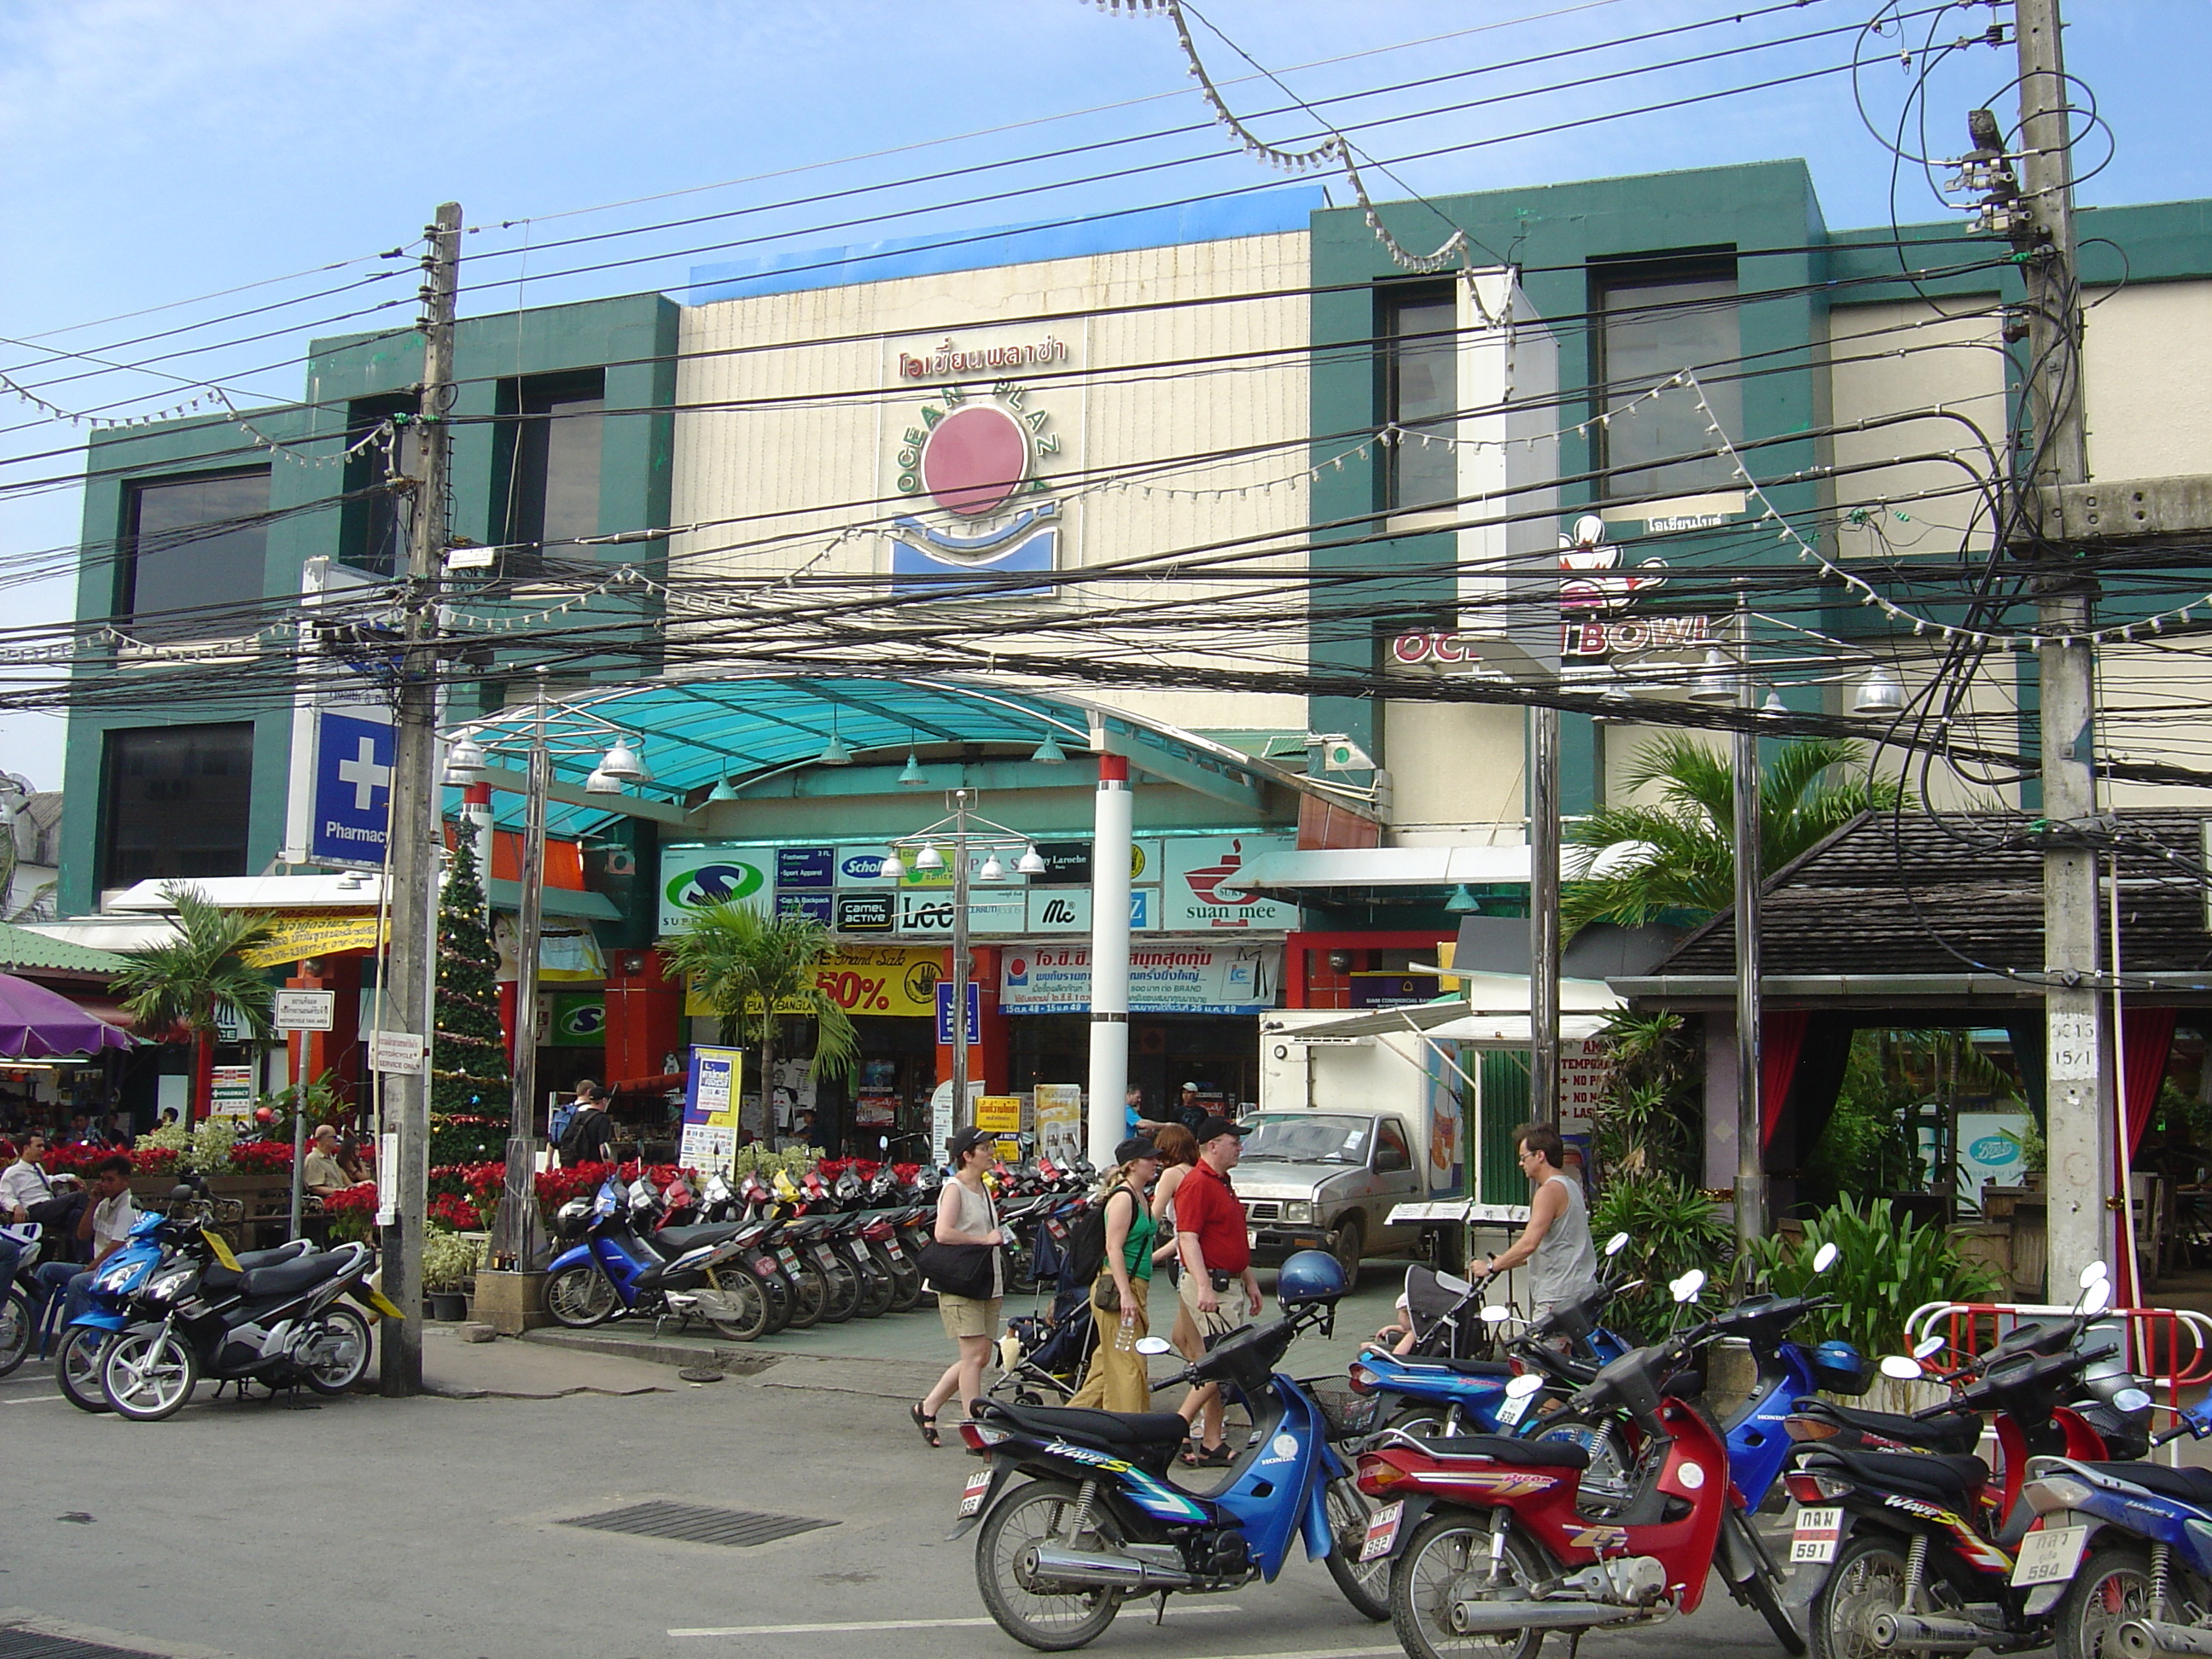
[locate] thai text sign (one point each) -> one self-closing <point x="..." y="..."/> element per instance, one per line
<point x="1164" y="979"/>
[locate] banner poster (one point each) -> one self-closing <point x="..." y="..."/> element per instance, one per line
<point x="1060" y="1125"/>
<point x="710" y="1141"/>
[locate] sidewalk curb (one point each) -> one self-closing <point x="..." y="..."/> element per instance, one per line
<point x="657" y="1351"/>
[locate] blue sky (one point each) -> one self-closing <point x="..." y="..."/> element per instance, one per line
<point x="166" y="149"/>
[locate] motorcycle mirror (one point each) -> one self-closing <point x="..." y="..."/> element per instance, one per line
<point x="1616" y="1244"/>
<point x="1496" y="1315"/>
<point x="2091" y="1274"/>
<point x="1825" y="1257"/>
<point x="1521" y="1387"/>
<point x="2098" y="1297"/>
<point x="1154" y="1345"/>
<point x="1456" y="1285"/>
<point x="1927" y="1347"/>
<point x="2131" y="1401"/>
<point x="1898" y="1368"/>
<point x="1685" y="1289"/>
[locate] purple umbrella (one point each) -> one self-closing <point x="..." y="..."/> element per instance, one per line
<point x="36" y="1023"/>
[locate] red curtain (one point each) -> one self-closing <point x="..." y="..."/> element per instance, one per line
<point x="2147" y="1035"/>
<point x="1781" y="1040"/>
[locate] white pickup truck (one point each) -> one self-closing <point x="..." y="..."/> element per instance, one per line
<point x="1327" y="1181"/>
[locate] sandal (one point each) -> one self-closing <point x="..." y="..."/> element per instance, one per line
<point x="1215" y="1457"/>
<point x="925" y="1422"/>
<point x="1188" y="1456"/>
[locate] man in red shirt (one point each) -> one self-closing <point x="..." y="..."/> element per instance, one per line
<point x="1216" y="1252"/>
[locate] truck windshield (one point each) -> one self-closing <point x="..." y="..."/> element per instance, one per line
<point x="1303" y="1139"/>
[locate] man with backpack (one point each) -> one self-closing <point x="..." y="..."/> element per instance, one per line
<point x="589" y="1138"/>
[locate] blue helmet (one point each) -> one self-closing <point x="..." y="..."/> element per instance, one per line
<point x="1309" y="1276"/>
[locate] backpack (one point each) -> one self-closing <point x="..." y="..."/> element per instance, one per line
<point x="575" y="1138"/>
<point x="1087" y="1239"/>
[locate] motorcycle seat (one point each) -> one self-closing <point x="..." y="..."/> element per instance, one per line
<point x="291" y="1277"/>
<point x="1952" y="1434"/>
<point x="1505" y="1449"/>
<point x="1938" y="1476"/>
<point x="1467" y="1367"/>
<point x="704" y="1232"/>
<point x="2190" y="1485"/>
<point x="1098" y="1428"/>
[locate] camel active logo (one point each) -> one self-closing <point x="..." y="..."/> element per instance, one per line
<point x="972" y="463"/>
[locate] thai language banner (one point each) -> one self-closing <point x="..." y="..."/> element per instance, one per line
<point x="1164" y="979"/>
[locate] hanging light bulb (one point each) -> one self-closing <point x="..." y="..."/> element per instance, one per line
<point x="1879" y="693"/>
<point x="1773" y="705"/>
<point x="1715" y="679"/>
<point x="991" y="870"/>
<point x="623" y="763"/>
<point x="911" y="773"/>
<point x="929" y="858"/>
<point x="836" y="753"/>
<point x="721" y="791"/>
<point x="464" y="760"/>
<point x="602" y="782"/>
<point x="1462" y="902"/>
<point x="1031" y="862"/>
<point x="1050" y="753"/>
<point x="891" y="869"/>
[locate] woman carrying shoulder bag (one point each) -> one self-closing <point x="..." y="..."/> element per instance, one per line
<point x="962" y="1264"/>
<point x="1118" y="1381"/>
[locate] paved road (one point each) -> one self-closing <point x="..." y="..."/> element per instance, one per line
<point x="388" y="1529"/>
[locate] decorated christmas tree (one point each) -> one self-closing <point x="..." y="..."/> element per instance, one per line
<point x="468" y="1057"/>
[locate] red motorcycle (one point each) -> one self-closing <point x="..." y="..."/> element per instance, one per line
<point x="1488" y="1545"/>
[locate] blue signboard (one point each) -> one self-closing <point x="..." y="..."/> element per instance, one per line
<point x="814" y="906"/>
<point x="806" y="866"/>
<point x="352" y="800"/>
<point x="945" y="1014"/>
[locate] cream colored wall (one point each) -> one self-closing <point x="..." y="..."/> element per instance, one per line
<point x="806" y="470"/>
<point x="2149" y="380"/>
<point x="1943" y="358"/>
<point x="2151" y="701"/>
<point x="1457" y="773"/>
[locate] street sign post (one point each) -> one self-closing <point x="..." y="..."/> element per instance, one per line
<point x="302" y="1011"/>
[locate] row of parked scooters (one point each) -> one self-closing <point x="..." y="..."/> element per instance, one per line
<point x="771" y="1252"/>
<point x="1480" y="1502"/>
<point x="175" y="1305"/>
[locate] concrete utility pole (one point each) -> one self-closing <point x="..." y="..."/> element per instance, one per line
<point x="1544" y="916"/>
<point x="409" y="962"/>
<point x="1750" y="1116"/>
<point x="2077" y="1063"/>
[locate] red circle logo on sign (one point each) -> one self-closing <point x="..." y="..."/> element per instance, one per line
<point x="974" y="459"/>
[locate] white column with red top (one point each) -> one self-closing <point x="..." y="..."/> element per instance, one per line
<point x="1109" y="959"/>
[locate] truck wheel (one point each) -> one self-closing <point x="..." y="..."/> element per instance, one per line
<point x="1346" y="1245"/>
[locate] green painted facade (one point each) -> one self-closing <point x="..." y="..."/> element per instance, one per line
<point x="633" y="340"/>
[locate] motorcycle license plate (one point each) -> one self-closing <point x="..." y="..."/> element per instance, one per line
<point x="972" y="1494"/>
<point x="790" y="1260"/>
<point x="1382" y="1531"/>
<point x="1817" y="1534"/>
<point x="1512" y="1409"/>
<point x="2049" y="1555"/>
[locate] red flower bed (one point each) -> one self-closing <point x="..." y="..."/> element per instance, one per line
<point x="352" y="1212"/>
<point x="260" y="1157"/>
<point x="455" y="1213"/>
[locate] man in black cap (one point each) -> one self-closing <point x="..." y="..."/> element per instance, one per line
<point x="1217" y="1253"/>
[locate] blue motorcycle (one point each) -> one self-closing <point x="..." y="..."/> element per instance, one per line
<point x="618" y="1263"/>
<point x="2122" y="1550"/>
<point x="1077" y="1515"/>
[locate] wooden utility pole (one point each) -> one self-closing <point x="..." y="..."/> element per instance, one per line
<point x="410" y="967"/>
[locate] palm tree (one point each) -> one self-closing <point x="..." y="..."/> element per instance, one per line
<point x="189" y="980"/>
<point x="1680" y="855"/>
<point x="750" y="968"/>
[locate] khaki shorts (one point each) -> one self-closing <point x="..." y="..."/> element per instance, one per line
<point x="1227" y="1317"/>
<point x="969" y="1316"/>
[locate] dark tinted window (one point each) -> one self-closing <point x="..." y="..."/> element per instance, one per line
<point x="372" y="526"/>
<point x="1653" y="323"/>
<point x="174" y="803"/>
<point x="1420" y="388"/>
<point x="1390" y="1150"/>
<point x="554" y="479"/>
<point x="194" y="546"/>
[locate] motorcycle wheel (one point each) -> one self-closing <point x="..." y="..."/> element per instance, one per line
<point x="1424" y="1421"/>
<point x="579" y="1297"/>
<point x="906" y="1285"/>
<point x="1867" y="1580"/>
<point x="336" y="1357"/>
<point x="1446" y="1553"/>
<point x="1041" y="1512"/>
<point x="777" y="1290"/>
<point x="809" y="1295"/>
<point x="744" y="1293"/>
<point x="2111" y="1587"/>
<point x="148" y="1375"/>
<point x="1365" y="1584"/>
<point x="875" y="1291"/>
<point x="16" y="1322"/>
<point x="841" y="1294"/>
<point x="1761" y="1593"/>
<point x="77" y="1369"/>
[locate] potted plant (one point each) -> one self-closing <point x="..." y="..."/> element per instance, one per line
<point x="449" y="1262"/>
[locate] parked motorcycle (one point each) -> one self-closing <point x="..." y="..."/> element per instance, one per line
<point x="617" y="1262"/>
<point x="1077" y="1514"/>
<point x="1488" y="1540"/>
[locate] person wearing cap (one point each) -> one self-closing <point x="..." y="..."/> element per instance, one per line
<point x="1189" y="1111"/>
<point x="1216" y="1252"/>
<point x="1118" y="1381"/>
<point x="966" y="1215"/>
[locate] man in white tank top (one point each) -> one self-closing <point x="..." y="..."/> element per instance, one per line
<point x="1556" y="1242"/>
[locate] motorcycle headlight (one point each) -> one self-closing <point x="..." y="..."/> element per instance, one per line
<point x="116" y="1280"/>
<point x="1298" y="1214"/>
<point x="170" y="1285"/>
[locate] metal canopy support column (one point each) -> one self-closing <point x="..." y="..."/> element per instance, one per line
<point x="1109" y="957"/>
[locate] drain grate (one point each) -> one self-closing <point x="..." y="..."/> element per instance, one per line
<point x="692" y="1524"/>
<point x="20" y="1643"/>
